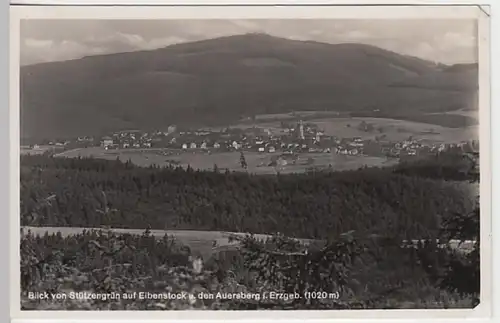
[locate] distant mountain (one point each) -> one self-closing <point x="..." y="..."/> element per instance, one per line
<point x="218" y="81"/>
<point x="462" y="68"/>
<point x="458" y="77"/>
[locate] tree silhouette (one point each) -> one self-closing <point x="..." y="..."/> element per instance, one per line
<point x="243" y="161"/>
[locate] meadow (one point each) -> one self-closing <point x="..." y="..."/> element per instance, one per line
<point x="292" y="115"/>
<point x="396" y="130"/>
<point x="27" y="150"/>
<point x="385" y="128"/>
<point x="258" y="163"/>
<point x="468" y="113"/>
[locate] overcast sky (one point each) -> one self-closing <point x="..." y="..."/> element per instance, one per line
<point x="445" y="41"/>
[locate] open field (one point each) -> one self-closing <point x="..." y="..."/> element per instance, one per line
<point x="395" y="130"/>
<point x="389" y="129"/>
<point x="468" y="113"/>
<point x="257" y="162"/>
<point x="24" y="150"/>
<point x="292" y="115"/>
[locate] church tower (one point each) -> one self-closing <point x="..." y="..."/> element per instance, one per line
<point x="301" y="130"/>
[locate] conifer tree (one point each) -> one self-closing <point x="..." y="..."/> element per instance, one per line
<point x="243" y="161"/>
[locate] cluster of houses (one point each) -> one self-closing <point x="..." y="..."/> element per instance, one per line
<point x="135" y="139"/>
<point x="293" y="138"/>
<point x="298" y="138"/>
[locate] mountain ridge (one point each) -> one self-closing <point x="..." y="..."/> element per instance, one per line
<point x="216" y="81"/>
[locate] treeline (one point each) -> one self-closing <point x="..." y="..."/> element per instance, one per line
<point x="450" y="165"/>
<point x="440" y="119"/>
<point x="92" y="193"/>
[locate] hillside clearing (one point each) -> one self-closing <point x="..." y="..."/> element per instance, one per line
<point x="257" y="162"/>
<point x="389" y="129"/>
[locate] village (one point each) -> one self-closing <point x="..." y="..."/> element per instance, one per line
<point x="291" y="139"/>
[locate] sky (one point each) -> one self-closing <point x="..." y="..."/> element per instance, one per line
<point x="444" y="41"/>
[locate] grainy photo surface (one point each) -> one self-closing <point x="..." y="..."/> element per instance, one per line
<point x="261" y="164"/>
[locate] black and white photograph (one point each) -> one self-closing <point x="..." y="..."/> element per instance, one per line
<point x="249" y="164"/>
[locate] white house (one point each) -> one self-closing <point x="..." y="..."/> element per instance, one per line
<point x="236" y="145"/>
<point x="261" y="149"/>
<point x="193" y="145"/>
<point x="216" y="145"/>
<point x="271" y="149"/>
<point x="184" y="146"/>
<point x="204" y="145"/>
<point x="107" y="141"/>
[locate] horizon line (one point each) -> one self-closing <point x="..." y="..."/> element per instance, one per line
<point x="245" y="34"/>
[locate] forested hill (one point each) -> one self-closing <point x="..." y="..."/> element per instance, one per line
<point x="91" y="193"/>
<point x="218" y="81"/>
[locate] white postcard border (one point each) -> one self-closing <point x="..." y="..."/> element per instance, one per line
<point x="344" y="12"/>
